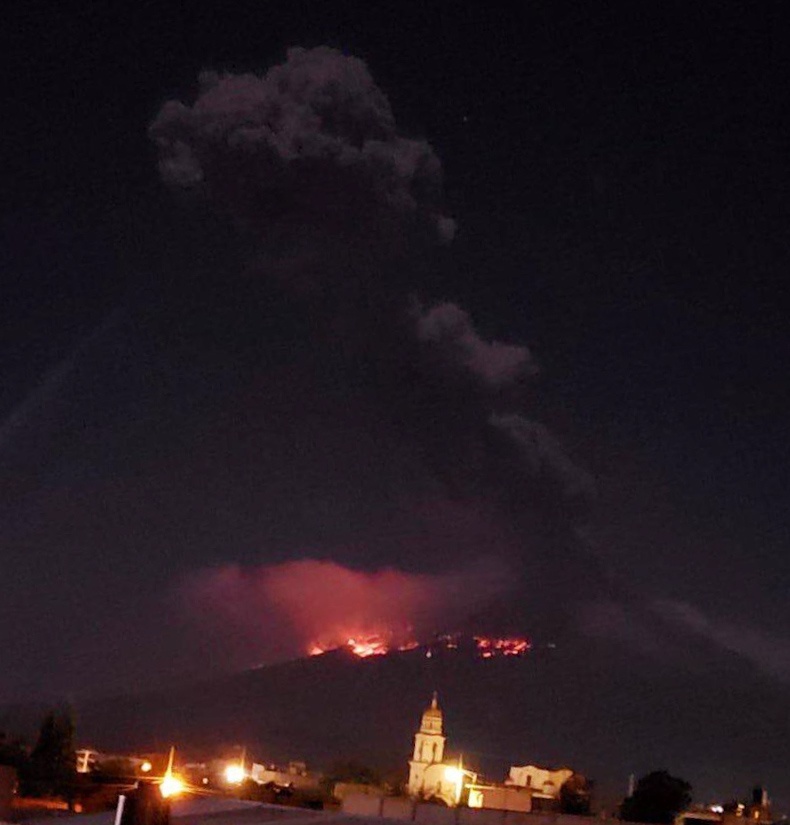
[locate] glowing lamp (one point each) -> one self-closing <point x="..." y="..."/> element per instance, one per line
<point x="234" y="774"/>
<point x="453" y="774"/>
<point x="146" y="767"/>
<point x="171" y="786"/>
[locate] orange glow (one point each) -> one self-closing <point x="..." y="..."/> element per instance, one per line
<point x="409" y="646"/>
<point x="364" y="645"/>
<point x="234" y="774"/>
<point x="508" y="646"/>
<point x="368" y="646"/>
<point x="171" y="786"/>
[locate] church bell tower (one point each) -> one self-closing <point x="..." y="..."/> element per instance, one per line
<point x="428" y="747"/>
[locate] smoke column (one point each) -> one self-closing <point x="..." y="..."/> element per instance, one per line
<point x="341" y="210"/>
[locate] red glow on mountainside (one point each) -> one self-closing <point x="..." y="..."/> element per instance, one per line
<point x="489" y="647"/>
<point x="365" y="645"/>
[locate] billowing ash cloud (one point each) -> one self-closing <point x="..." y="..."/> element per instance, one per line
<point x="451" y="329"/>
<point x="281" y="609"/>
<point x="308" y="161"/>
<point x="313" y="137"/>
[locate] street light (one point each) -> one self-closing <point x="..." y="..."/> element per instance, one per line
<point x="455" y="775"/>
<point x="234" y="774"/>
<point x="170" y="785"/>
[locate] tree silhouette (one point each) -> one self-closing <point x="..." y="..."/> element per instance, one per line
<point x="52" y="768"/>
<point x="12" y="752"/>
<point x="658" y="798"/>
<point x="575" y="795"/>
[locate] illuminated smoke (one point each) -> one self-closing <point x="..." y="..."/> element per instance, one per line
<point x="344" y="212"/>
<point x="311" y="606"/>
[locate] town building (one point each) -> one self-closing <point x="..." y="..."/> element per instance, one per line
<point x="295" y="775"/>
<point x="543" y="784"/>
<point x="88" y="760"/>
<point x="432" y="776"/>
<point x="734" y="813"/>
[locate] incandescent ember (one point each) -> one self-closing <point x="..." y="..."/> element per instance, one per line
<point x="380" y="644"/>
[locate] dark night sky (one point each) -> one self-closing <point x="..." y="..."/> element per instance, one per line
<point x="619" y="175"/>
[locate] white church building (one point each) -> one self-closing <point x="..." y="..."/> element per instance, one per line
<point x="429" y="775"/>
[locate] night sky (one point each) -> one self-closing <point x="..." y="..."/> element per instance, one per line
<point x="233" y="360"/>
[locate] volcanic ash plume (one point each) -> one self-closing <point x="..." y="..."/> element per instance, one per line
<point x="309" y="606"/>
<point x="344" y="213"/>
<point x="451" y="330"/>
<point x="314" y="137"/>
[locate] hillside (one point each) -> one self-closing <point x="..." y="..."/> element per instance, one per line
<point x="636" y="714"/>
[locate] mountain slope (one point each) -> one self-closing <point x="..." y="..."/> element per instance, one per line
<point x="587" y="704"/>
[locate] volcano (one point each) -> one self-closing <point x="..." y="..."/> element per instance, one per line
<point x="585" y="703"/>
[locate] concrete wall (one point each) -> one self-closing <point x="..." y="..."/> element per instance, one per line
<point x="398" y="807"/>
<point x="479" y="816"/>
<point x="344" y="789"/>
<point x="502" y="798"/>
<point x="363" y="804"/>
<point x="401" y="808"/>
<point x="7" y="788"/>
<point x="427" y="814"/>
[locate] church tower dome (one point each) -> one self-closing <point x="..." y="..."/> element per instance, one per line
<point x="426" y="769"/>
<point x="432" y="717"/>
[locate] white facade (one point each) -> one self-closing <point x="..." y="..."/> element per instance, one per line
<point x="542" y="782"/>
<point x="429" y="775"/>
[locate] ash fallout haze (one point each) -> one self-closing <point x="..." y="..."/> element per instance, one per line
<point x="332" y="321"/>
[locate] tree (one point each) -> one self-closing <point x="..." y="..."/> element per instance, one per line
<point x="12" y="752"/>
<point x="52" y="768"/>
<point x="658" y="798"/>
<point x="575" y="794"/>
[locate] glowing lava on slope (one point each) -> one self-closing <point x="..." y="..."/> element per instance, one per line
<point x="488" y="648"/>
<point x="379" y="644"/>
<point x="375" y="644"/>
